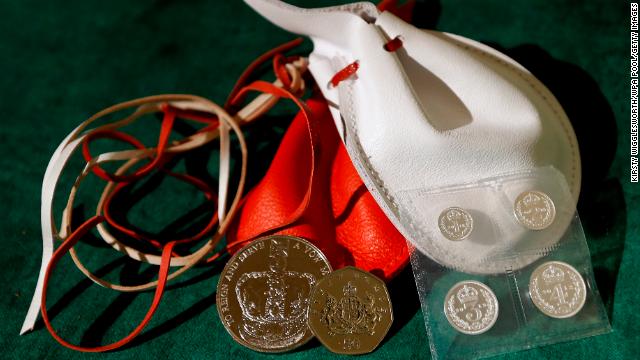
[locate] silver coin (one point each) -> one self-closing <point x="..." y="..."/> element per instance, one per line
<point x="471" y="307"/>
<point x="455" y="223"/>
<point x="534" y="210"/>
<point x="557" y="289"/>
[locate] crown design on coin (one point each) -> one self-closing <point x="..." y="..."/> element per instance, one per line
<point x="553" y="274"/>
<point x="351" y="314"/>
<point x="274" y="302"/>
<point x="467" y="294"/>
<point x="349" y="289"/>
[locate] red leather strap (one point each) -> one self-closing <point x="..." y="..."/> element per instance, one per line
<point x="393" y="44"/>
<point x="404" y="11"/>
<point x="165" y="131"/>
<point x="106" y="134"/>
<point x="63" y="249"/>
<point x="208" y="192"/>
<point x="236" y="95"/>
<point x="349" y="70"/>
<point x="170" y="113"/>
<point x="280" y="71"/>
<point x="242" y="80"/>
<point x="195" y="115"/>
<point x="117" y="135"/>
<point x="269" y="88"/>
<point x="345" y="73"/>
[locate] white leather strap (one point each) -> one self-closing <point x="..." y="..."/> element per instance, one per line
<point x="70" y="144"/>
<point x="224" y="171"/>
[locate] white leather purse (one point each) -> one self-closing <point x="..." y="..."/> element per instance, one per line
<point x="440" y="111"/>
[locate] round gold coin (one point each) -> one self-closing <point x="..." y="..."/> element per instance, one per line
<point x="534" y="210"/>
<point x="350" y="311"/>
<point x="263" y="292"/>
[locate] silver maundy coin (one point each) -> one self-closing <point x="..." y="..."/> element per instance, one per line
<point x="471" y="307"/>
<point x="455" y="223"/>
<point x="557" y="289"/>
<point x="534" y="210"/>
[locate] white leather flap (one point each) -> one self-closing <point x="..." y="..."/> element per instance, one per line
<point x="441" y="110"/>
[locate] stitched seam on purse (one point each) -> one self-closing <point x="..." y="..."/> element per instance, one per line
<point x="372" y="173"/>
<point x="354" y="8"/>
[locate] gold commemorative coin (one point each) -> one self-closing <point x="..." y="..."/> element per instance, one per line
<point x="263" y="292"/>
<point x="350" y="311"/>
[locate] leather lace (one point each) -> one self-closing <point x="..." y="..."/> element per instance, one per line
<point x="218" y="122"/>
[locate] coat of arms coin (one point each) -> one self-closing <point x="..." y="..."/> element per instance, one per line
<point x="350" y="311"/>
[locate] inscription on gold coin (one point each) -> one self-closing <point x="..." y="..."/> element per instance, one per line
<point x="534" y="210"/>
<point x="557" y="289"/>
<point x="350" y="311"/>
<point x="263" y="292"/>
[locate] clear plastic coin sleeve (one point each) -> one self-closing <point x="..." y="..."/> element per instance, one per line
<point x="502" y="265"/>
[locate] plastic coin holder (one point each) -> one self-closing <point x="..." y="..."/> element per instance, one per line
<point x="536" y="263"/>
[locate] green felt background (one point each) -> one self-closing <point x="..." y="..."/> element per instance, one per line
<point x="63" y="61"/>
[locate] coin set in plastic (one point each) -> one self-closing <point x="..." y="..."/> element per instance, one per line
<point x="279" y="291"/>
<point x="511" y="268"/>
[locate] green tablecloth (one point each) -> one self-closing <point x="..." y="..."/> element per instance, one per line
<point x="63" y="61"/>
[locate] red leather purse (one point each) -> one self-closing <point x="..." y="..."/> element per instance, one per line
<point x="313" y="181"/>
<point x="311" y="190"/>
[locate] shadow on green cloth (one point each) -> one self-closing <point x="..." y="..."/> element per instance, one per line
<point x="601" y="206"/>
